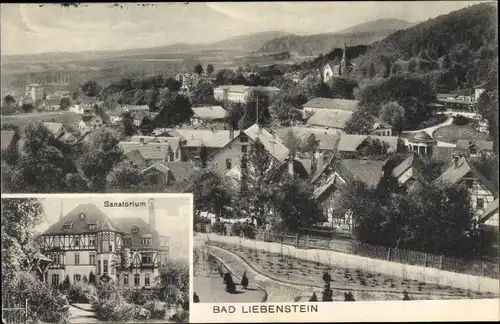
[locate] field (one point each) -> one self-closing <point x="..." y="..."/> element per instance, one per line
<point x="452" y="133"/>
<point x="366" y="284"/>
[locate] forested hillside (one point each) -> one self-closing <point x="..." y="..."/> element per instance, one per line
<point x="458" y="49"/>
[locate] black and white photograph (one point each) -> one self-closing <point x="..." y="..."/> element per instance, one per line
<point x="335" y="151"/>
<point x="96" y="258"/>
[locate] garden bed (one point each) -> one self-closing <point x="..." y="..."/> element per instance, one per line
<point x="367" y="284"/>
<point x="452" y="133"/>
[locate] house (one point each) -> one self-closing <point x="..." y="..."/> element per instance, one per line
<point x="194" y="139"/>
<point x="85" y="240"/>
<point x="52" y="103"/>
<point x="57" y="129"/>
<point x="421" y="142"/>
<point x="174" y="142"/>
<point x="490" y="215"/>
<point x="161" y="174"/>
<point x="409" y="171"/>
<point x="136" y="112"/>
<point x="337" y="173"/>
<point x="90" y="123"/>
<point x="229" y="156"/>
<point x="350" y="144"/>
<point x="82" y="109"/>
<point x="319" y="103"/>
<point x="35" y="92"/>
<point x="207" y="114"/>
<point x="71" y="121"/>
<point x="153" y="152"/>
<point x="381" y="128"/>
<point x="480" y="88"/>
<point x="482" y="191"/>
<point x="335" y="69"/>
<point x="240" y="93"/>
<point x="464" y="104"/>
<point x="473" y="148"/>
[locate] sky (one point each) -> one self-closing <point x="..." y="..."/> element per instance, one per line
<point x="31" y="28"/>
<point x="173" y="215"/>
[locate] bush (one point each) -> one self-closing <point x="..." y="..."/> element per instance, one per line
<point x="81" y="292"/>
<point x="236" y="229"/>
<point x="244" y="280"/>
<point x="156" y="309"/>
<point x="136" y="296"/>
<point x="460" y="120"/>
<point x="248" y="230"/>
<point x="218" y="228"/>
<point x="45" y="303"/>
<point x="114" y="310"/>
<point x="313" y="298"/>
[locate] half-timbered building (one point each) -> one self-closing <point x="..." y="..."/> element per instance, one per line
<point x="127" y="250"/>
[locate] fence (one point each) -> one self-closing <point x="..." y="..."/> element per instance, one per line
<point x="16" y="314"/>
<point x="474" y="267"/>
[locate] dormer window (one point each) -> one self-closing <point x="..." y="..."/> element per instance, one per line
<point x="92" y="226"/>
<point x="66" y="227"/>
<point x="82" y="216"/>
<point x="146" y="241"/>
<point x="135" y="229"/>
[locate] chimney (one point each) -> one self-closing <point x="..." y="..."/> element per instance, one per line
<point x="290" y="166"/>
<point x="142" y="141"/>
<point x="455" y="161"/>
<point x="61" y="214"/>
<point x="231" y="133"/>
<point x="152" y="215"/>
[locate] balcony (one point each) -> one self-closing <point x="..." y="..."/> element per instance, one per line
<point x="57" y="266"/>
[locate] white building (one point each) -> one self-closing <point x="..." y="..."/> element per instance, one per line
<point x="239" y="93"/>
<point x="34" y="92"/>
<point x="126" y="250"/>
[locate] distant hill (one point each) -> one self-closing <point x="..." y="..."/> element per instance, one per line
<point x="245" y="43"/>
<point x="458" y="48"/>
<point x="363" y="34"/>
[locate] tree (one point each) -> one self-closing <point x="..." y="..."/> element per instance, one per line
<point x="11" y="153"/>
<point x="360" y="122"/>
<point x="147" y="126"/>
<point x="313" y="298"/>
<point x="342" y="88"/>
<point x="173" y="282"/>
<point x="153" y="100"/>
<point x="203" y="94"/>
<point x="256" y="106"/>
<point x="196" y="299"/>
<point x="66" y="283"/>
<point x="235" y="113"/>
<point x="210" y="69"/>
<point x="293" y="142"/>
<point x="244" y="280"/>
<point x="284" y="111"/>
<point x="128" y="124"/>
<point x="176" y="110"/>
<point x="65" y="103"/>
<point x="91" y="88"/>
<point x="311" y="144"/>
<point x="27" y="107"/>
<point x="374" y="149"/>
<point x="198" y="69"/>
<point x="211" y="191"/>
<point x="9" y="105"/>
<point x="393" y="114"/>
<point x="203" y="156"/>
<point x="124" y="176"/>
<point x="172" y="84"/>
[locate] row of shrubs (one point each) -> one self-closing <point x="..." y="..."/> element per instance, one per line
<point x="460" y="120"/>
<point x="237" y="229"/>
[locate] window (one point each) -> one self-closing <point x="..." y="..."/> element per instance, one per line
<point x="244" y="149"/>
<point x="55" y="280"/>
<point x="56" y="258"/>
<point x="146" y="279"/>
<point x="92" y="241"/>
<point x="228" y="163"/>
<point x="92" y="258"/>
<point x="176" y="154"/>
<point x="147" y="257"/>
<point x="82" y="216"/>
<point x="127" y="241"/>
<point x="110" y="248"/>
<point x="99" y="267"/>
<point x="135" y="229"/>
<point x="105" y="266"/>
<point x="469" y="183"/>
<point x="76" y="242"/>
<point x="146" y="241"/>
<point x="480" y="203"/>
<point x="125" y="279"/>
<point x="77" y="259"/>
<point x="243" y="139"/>
<point x="137" y="279"/>
<point x="77" y="277"/>
<point x="92" y="226"/>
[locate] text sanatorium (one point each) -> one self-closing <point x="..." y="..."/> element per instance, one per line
<point x="122" y="204"/>
<point x="268" y="309"/>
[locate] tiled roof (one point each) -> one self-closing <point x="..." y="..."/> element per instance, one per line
<point x="421" y="137"/>
<point x="209" y="112"/>
<point x="126" y="224"/>
<point x="403" y="166"/>
<point x="93" y="215"/>
<point x="150" y="151"/>
<point x="70" y="120"/>
<point x="327" y="137"/>
<point x="273" y="143"/>
<point x="173" y="141"/>
<point x="6" y="138"/>
<point x="392" y="141"/>
<point x="464" y="144"/>
<point x="54" y="128"/>
<point x="136" y="158"/>
<point x="379" y="122"/>
<point x="135" y="107"/>
<point x="158" y="167"/>
<point x="330" y="118"/>
<point x="454" y="174"/>
<point x="210" y="138"/>
<point x="350" y="142"/>
<point x="368" y="171"/>
<point x="181" y="170"/>
<point x="328" y="103"/>
<point x="234" y="88"/>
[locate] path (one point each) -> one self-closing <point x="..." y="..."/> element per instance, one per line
<point x="82" y="313"/>
<point x="430" y="130"/>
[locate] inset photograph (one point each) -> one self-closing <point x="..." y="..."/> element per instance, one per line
<point x="96" y="258"/>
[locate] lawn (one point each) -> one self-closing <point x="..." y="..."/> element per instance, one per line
<point x="366" y="284"/>
<point x="452" y="133"/>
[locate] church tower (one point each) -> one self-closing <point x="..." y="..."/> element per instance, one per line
<point x="343" y="63"/>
